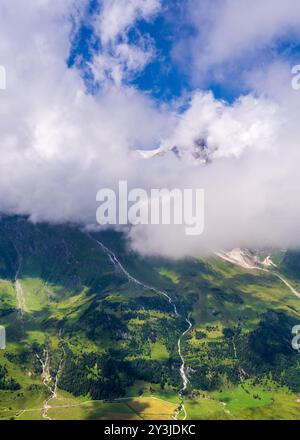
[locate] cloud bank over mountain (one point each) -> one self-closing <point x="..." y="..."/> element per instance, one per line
<point x="61" y="142"/>
<point x="234" y="36"/>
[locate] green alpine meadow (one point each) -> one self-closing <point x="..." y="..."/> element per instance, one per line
<point x="89" y="338"/>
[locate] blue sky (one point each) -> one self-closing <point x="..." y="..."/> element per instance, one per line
<point x="173" y="34"/>
<point x="149" y="67"/>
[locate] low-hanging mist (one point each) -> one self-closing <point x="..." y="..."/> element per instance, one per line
<point x="60" y="143"/>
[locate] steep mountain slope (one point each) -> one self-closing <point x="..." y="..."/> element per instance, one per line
<point x="89" y="323"/>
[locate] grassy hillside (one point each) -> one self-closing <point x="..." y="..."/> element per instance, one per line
<point x="73" y="317"/>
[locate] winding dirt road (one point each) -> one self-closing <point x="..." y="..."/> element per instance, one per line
<point x="237" y="258"/>
<point x="20" y="297"/>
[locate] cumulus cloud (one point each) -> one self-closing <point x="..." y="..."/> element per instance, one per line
<point x="117" y="16"/>
<point x="120" y="58"/>
<point x="59" y="145"/>
<point x="220" y="130"/>
<point x="235" y="33"/>
<point x="251" y="184"/>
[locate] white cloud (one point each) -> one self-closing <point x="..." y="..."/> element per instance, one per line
<point x="224" y="130"/>
<point x="120" y="58"/>
<point x="59" y="146"/>
<point x="122" y="62"/>
<point x="117" y="16"/>
<point x="252" y="188"/>
<point x="233" y="31"/>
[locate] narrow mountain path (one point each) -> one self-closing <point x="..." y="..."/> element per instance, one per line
<point x="238" y="260"/>
<point x="183" y="368"/>
<point x="81" y="404"/>
<point x="20" y="297"/>
<point x="288" y="285"/>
